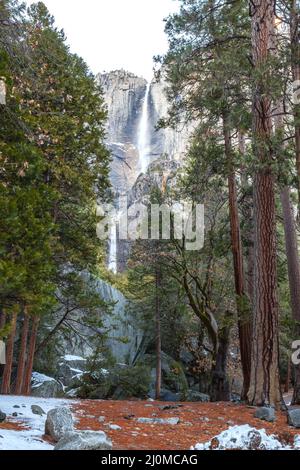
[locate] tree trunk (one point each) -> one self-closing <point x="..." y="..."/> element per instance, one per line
<point x="22" y="355"/>
<point x="220" y="387"/>
<point x="2" y="320"/>
<point x="294" y="275"/>
<point x="244" y="322"/>
<point x="291" y="248"/>
<point x="247" y="210"/>
<point x="6" y="379"/>
<point x="264" y="384"/>
<point x="288" y="377"/>
<point x="31" y="352"/>
<point x="295" y="63"/>
<point x="158" y="335"/>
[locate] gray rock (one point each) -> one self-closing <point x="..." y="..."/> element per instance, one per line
<point x="59" y="421"/>
<point x="192" y="395"/>
<point x="15" y="414"/>
<point x="45" y="387"/>
<point x="265" y="414"/>
<point x="37" y="410"/>
<point x="171" y="421"/>
<point x="16" y="406"/>
<point x="294" y="418"/>
<point x="114" y="427"/>
<point x="84" y="440"/>
<point x="2" y="417"/>
<point x="166" y="395"/>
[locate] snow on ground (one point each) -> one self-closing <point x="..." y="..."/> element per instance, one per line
<point x="245" y="437"/>
<point x="31" y="437"/>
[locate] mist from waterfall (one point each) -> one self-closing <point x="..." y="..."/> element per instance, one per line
<point x="143" y="133"/>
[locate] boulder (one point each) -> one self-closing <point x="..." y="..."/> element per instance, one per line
<point x="45" y="387"/>
<point x="294" y="418"/>
<point x="59" y="422"/>
<point x="84" y="440"/>
<point x="265" y="414"/>
<point x="2" y="417"/>
<point x="192" y="395"/>
<point x="165" y="395"/>
<point x="37" y="410"/>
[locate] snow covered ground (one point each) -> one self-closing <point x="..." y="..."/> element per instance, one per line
<point x="31" y="437"/>
<point x="246" y="437"/>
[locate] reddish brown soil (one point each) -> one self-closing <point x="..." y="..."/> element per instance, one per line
<point x="192" y="428"/>
<point x="12" y="425"/>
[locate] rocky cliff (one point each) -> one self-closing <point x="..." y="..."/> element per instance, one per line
<point x="125" y="94"/>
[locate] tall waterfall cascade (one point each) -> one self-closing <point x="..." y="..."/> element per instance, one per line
<point x="134" y="107"/>
<point x="143" y="133"/>
<point x="112" y="257"/>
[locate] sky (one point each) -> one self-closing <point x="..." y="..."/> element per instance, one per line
<point x="114" y="34"/>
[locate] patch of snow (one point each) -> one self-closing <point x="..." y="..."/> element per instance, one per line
<point x="239" y="437"/>
<point x="297" y="442"/>
<point x="69" y="357"/>
<point x="30" y="438"/>
<point x="38" y="379"/>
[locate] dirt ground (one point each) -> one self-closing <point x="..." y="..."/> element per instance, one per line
<point x="199" y="422"/>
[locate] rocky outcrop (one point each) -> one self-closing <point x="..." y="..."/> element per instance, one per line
<point x="124" y="94"/>
<point x="70" y="370"/>
<point x="46" y="387"/>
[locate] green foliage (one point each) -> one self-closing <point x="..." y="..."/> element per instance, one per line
<point x="53" y="166"/>
<point x="119" y="382"/>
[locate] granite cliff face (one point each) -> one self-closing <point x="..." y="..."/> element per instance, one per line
<point x="125" y="94"/>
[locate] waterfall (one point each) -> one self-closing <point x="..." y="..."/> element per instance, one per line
<point x="112" y="257"/>
<point x="143" y="144"/>
<point x="143" y="133"/>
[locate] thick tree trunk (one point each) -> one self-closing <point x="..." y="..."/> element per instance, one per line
<point x="220" y="387"/>
<point x="6" y="379"/>
<point x="244" y="319"/>
<point x="30" y="359"/>
<point x="264" y="386"/>
<point x="158" y="336"/>
<point x="295" y="63"/>
<point x="22" y="355"/>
